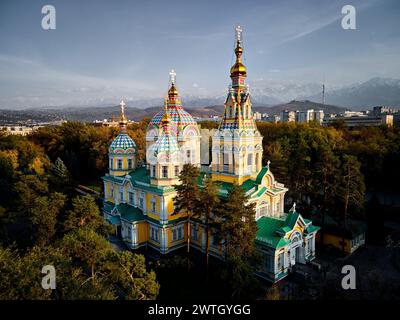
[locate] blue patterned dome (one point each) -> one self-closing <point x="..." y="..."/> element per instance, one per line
<point x="166" y="143"/>
<point x="123" y="143"/>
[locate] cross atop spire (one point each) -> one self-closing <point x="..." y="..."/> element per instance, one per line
<point x="239" y="31"/>
<point x="122" y="104"/>
<point x="123" y="121"/>
<point x="172" y="76"/>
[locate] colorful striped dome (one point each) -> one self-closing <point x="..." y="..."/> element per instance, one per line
<point x="165" y="144"/>
<point x="123" y="143"/>
<point x="179" y="117"/>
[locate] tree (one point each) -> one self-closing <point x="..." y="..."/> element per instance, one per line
<point x="239" y="230"/>
<point x="187" y="193"/>
<point x="85" y="214"/>
<point x="88" y="248"/>
<point x="44" y="215"/>
<point x="206" y="209"/>
<point x="351" y="188"/>
<point x="130" y="274"/>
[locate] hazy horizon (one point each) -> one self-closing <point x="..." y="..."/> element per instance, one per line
<point x="102" y="51"/>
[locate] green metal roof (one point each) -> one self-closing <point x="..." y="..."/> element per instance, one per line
<point x="130" y="213"/>
<point x="267" y="232"/>
<point x="140" y="178"/>
<point x="312" y="228"/>
<point x="113" y="219"/>
<point x="108" y="206"/>
<point x="291" y="219"/>
<point x="261" y="174"/>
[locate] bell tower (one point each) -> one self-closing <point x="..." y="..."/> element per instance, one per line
<point x="237" y="144"/>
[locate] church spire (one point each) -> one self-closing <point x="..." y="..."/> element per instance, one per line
<point x="123" y="121"/>
<point x="173" y="91"/>
<point x="238" y="70"/>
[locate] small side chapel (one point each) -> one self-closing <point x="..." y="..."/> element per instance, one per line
<point x="138" y="200"/>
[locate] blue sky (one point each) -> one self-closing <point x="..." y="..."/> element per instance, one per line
<point x="102" y="50"/>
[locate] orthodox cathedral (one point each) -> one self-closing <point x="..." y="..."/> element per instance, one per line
<point x="138" y="199"/>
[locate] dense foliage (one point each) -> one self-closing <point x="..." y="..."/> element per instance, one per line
<point x="44" y="222"/>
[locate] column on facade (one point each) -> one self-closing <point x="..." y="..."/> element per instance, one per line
<point x="134" y="234"/>
<point x="164" y="239"/>
<point x="163" y="210"/>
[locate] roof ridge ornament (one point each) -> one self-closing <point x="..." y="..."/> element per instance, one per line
<point x="293" y="209"/>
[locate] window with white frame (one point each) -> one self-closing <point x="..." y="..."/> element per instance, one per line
<point x="262" y="210"/>
<point x="153" y="171"/>
<point x="195" y="232"/>
<point x="131" y="198"/>
<point x="154" y="234"/>
<point x="165" y="171"/>
<point x="121" y="195"/>
<point x="130" y="164"/>
<point x="119" y="164"/>
<point x="250" y="159"/>
<point x="309" y="245"/>
<point x="111" y="164"/>
<point x="112" y="192"/>
<point x="177" y="233"/>
<point x="176" y="171"/>
<point x="281" y="260"/>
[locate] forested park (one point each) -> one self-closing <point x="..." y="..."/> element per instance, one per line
<point x="330" y="172"/>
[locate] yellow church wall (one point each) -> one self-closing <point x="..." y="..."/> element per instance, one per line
<point x="143" y="232"/>
<point x="150" y="196"/>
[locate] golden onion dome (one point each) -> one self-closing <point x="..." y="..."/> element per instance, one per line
<point x="238" y="68"/>
<point x="173" y="91"/>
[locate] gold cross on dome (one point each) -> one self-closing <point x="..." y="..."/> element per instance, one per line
<point x="172" y="76"/>
<point x="238" y="33"/>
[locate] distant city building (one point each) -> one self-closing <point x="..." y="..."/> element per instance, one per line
<point x="288" y="116"/>
<point x="17" y="129"/>
<point x="361" y="120"/>
<point x="257" y="116"/>
<point x="354" y="114"/>
<point x="305" y="116"/>
<point x="108" y="123"/>
<point x="319" y="116"/>
<point x="379" y="110"/>
<point x="273" y="118"/>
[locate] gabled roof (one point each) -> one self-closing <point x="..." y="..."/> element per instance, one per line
<point x="272" y="231"/>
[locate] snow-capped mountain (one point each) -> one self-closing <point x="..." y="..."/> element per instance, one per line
<point x="361" y="96"/>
